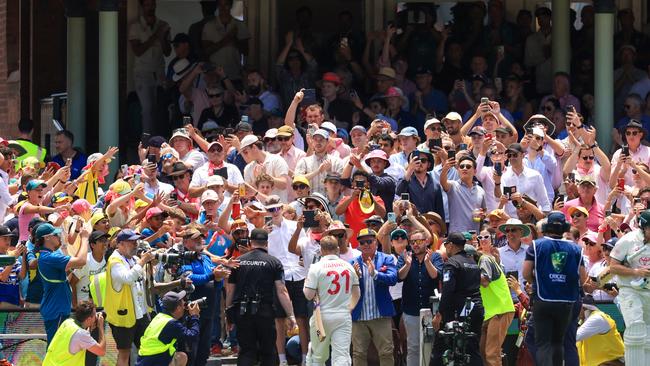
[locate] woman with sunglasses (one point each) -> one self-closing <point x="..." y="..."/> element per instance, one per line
<point x="579" y="216"/>
<point x="633" y="133"/>
<point x="589" y="159"/>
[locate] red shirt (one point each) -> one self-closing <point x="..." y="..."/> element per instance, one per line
<point x="355" y="217"/>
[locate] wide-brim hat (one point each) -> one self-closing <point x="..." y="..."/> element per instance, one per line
<point x="433" y="216"/>
<point x="517" y="224"/>
<point x="181" y="68"/>
<point x="540" y="119"/>
<point x="377" y="154"/>
<point x="337" y="225"/>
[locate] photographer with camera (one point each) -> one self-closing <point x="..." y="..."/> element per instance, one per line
<point x="73" y="339"/>
<point x="125" y="303"/>
<point x="167" y="330"/>
<point x="207" y="281"/>
<point x="461" y="309"/>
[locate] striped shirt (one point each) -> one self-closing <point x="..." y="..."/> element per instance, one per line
<point x="369" y="310"/>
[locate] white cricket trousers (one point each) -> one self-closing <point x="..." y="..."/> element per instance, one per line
<point x="338" y="331"/>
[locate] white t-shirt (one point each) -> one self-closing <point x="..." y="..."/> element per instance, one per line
<point x="228" y="56"/>
<point x="350" y="254"/>
<point x="274" y="166"/>
<point x="195" y="158"/>
<point x="332" y="278"/>
<point x="200" y="175"/>
<point x="310" y="250"/>
<point x="91" y="268"/>
<point x="81" y="340"/>
<point x="152" y="60"/>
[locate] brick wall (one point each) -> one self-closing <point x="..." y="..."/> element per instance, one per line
<point x="3" y="67"/>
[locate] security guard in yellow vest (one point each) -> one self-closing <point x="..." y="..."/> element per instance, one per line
<point x="23" y="145"/>
<point x="159" y="343"/>
<point x="72" y="339"/>
<point x="499" y="309"/>
<point x="599" y="342"/>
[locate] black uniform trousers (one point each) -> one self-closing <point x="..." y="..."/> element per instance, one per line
<point x="440" y="345"/>
<point x="256" y="337"/>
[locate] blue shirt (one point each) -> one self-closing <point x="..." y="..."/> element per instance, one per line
<point x="57" y="296"/>
<point x="427" y="198"/>
<point x="147" y="232"/>
<point x="235" y="158"/>
<point x="78" y="163"/>
<point x="216" y="241"/>
<point x="418" y="285"/>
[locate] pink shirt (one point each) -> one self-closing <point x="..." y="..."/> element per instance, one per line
<point x="641" y="155"/>
<point x="596" y="213"/>
<point x="23" y="223"/>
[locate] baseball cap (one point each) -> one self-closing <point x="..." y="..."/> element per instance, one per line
<point x="237" y="225"/>
<point x="181" y="38"/>
<point x="243" y="127"/>
<point x="46" y="229"/>
<point x="499" y="214"/>
<point x="431" y="121"/>
<point x="272" y="202"/>
<point x="409" y="131"/>
<point x="329" y="127"/>
<point x="556" y="218"/>
<point x="301" y="179"/>
<point x="359" y="128"/>
<point x="515" y="147"/>
<point x="97" y="235"/>
<point x="456" y="238"/>
<point x="452" y="116"/>
<point x="259" y="235"/>
<point x="171" y="300"/>
<point x="61" y="197"/>
<point x="331" y="77"/>
<point x="589" y="179"/>
<point x="157" y="141"/>
<point x="387" y="72"/>
<point x="374" y="218"/>
<point x="248" y="141"/>
<point x="126" y="235"/>
<point x="5" y="231"/>
<point x="271" y="133"/>
<point x="154" y="211"/>
<point x="97" y="217"/>
<point x="120" y="187"/>
<point x="180" y="132"/>
<point x="209" y="195"/>
<point x="477" y="130"/>
<point x="469" y="249"/>
<point x="35" y="183"/>
<point x="192" y="232"/>
<point x="644" y="219"/>
<point x="80" y="206"/>
<point x="505" y="130"/>
<point x="573" y="209"/>
<point x="333" y="176"/>
<point x="398" y="232"/>
<point x="214" y="180"/>
<point x="322" y="133"/>
<point x="209" y="125"/>
<point x="366" y="232"/>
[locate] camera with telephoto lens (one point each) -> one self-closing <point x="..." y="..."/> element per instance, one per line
<point x="182" y="257"/>
<point x="142" y="246"/>
<point x="456" y="335"/>
<point x="202" y="302"/>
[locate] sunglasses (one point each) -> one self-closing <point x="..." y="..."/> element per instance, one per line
<point x="512" y="230"/>
<point x="366" y="242"/>
<point x="270" y="139"/>
<point x="216" y="149"/>
<point x="423" y="160"/>
<point x="483" y="237"/>
<point x="588" y="157"/>
<point x="297" y="187"/>
<point x="632" y="133"/>
<point x="338" y="235"/>
<point x="214" y="95"/>
<point x="539" y="138"/>
<point x="284" y="138"/>
<point x="418" y="241"/>
<point x="577" y="215"/>
<point x="465" y="166"/>
<point x="399" y="237"/>
<point x="435" y="128"/>
<point x="273" y="209"/>
<point x="178" y="177"/>
<point x="512" y="155"/>
<point x="589" y="243"/>
<point x="167" y="156"/>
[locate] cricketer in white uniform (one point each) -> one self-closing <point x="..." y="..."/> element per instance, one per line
<point x="337" y="285"/>
<point x="630" y="262"/>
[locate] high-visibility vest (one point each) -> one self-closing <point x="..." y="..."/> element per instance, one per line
<point x="98" y="288"/>
<point x="150" y="344"/>
<point x="601" y="348"/>
<point x="496" y="296"/>
<point x="119" y="307"/>
<point x="58" y="353"/>
<point x="31" y="150"/>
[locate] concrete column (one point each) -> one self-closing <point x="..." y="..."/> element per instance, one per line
<point x="108" y="77"/>
<point x="604" y="71"/>
<point x="561" y="35"/>
<point x="76" y="70"/>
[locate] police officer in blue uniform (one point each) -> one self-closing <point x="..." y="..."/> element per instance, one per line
<point x="555" y="268"/>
